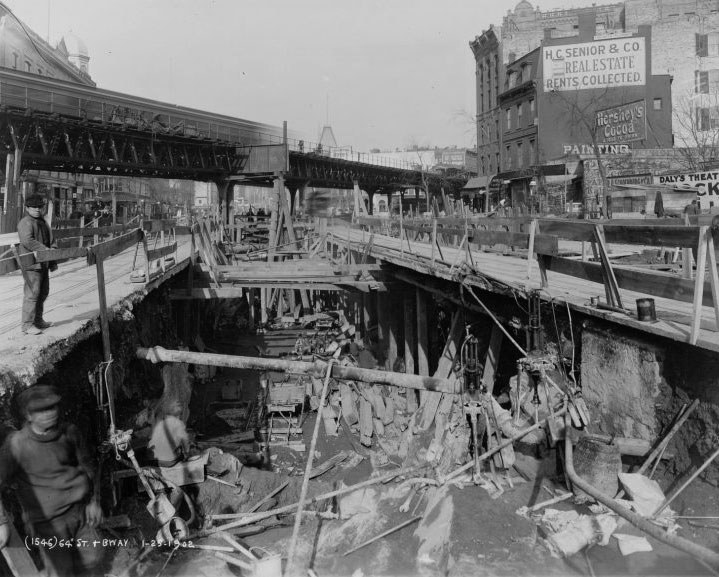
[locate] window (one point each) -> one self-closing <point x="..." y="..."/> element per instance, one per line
<point x="701" y="82"/>
<point x="520" y="109"/>
<point x="511" y="79"/>
<point x="702" y="119"/>
<point x="532" y="152"/>
<point x="702" y="44"/>
<point x="15" y="58"/>
<point x="532" y="108"/>
<point x="508" y="157"/>
<point x="508" y="117"/>
<point x="713" y="43"/>
<point x="707" y="44"/>
<point x="657" y="104"/>
<point x="520" y="157"/>
<point x="27" y="66"/>
<point x="496" y="160"/>
<point x="39" y="71"/>
<point x="706" y="81"/>
<point x="526" y="72"/>
<point x="496" y="129"/>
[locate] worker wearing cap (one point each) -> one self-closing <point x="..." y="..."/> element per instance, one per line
<point x="52" y="472"/>
<point x="34" y="234"/>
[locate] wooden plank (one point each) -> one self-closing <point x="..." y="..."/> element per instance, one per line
<point x="75" y="232"/>
<point x="655" y="283"/>
<point x="105" y="250"/>
<point x="17" y="556"/>
<point x="667" y="236"/>
<point x="158" y="225"/>
<point x="155" y="253"/>
<point x="431" y="402"/>
<point x="699" y="285"/>
<point x="574" y="230"/>
<point x="236" y="292"/>
<point x="543" y="243"/>
<point x="60" y="253"/>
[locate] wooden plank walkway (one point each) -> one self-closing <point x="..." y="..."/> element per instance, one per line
<point x="673" y="317"/>
<point x="72" y="307"/>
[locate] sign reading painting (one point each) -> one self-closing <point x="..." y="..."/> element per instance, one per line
<point x="599" y="64"/>
<point x="626" y="123"/>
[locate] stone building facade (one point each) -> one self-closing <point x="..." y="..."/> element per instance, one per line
<point x="26" y="51"/>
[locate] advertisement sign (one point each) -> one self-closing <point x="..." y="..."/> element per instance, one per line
<point x="599" y="64"/>
<point x="706" y="184"/>
<point x="626" y="123"/>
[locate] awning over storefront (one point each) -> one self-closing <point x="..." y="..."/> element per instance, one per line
<point x="476" y="182"/>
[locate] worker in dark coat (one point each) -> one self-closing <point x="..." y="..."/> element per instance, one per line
<point x="34" y="234"/>
<point x="52" y="471"/>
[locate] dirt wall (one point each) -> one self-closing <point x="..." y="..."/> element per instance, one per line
<point x="635" y="386"/>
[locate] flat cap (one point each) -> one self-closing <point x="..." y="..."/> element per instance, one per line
<point x="38" y="398"/>
<point x="35" y="201"/>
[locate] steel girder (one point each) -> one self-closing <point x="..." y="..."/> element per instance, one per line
<point x="51" y="142"/>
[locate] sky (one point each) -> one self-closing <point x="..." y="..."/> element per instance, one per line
<point x="383" y="73"/>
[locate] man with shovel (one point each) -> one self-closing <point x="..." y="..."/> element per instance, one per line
<point x="54" y="476"/>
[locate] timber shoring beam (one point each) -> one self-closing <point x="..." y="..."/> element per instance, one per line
<point x="317" y="368"/>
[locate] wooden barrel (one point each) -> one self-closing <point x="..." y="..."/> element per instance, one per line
<point x="599" y="464"/>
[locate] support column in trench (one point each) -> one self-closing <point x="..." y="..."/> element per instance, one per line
<point x="410" y="343"/>
<point x="422" y="337"/>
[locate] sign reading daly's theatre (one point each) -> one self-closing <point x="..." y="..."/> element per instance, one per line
<point x="600" y="64"/>
<point x="706" y="183"/>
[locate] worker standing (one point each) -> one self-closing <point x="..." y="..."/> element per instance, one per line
<point x="54" y="476"/>
<point x="34" y="235"/>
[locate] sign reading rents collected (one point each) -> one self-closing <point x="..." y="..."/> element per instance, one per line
<point x="626" y="123"/>
<point x="599" y="64"/>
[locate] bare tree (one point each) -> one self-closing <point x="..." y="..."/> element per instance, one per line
<point x="696" y="123"/>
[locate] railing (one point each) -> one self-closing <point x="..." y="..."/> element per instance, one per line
<point x="540" y="238"/>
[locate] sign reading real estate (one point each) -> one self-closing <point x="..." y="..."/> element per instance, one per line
<point x="626" y="123"/>
<point x="706" y="183"/>
<point x="599" y="64"/>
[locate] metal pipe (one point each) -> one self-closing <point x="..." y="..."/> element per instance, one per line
<point x="317" y="369"/>
<point x="697" y="551"/>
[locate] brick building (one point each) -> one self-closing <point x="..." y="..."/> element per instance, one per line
<point x="552" y="133"/>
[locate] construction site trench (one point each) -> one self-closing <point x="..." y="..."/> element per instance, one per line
<point x="252" y="427"/>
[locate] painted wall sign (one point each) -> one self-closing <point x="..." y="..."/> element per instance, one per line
<point x="706" y="183"/>
<point x="626" y="123"/>
<point x="599" y="64"/>
<point x="588" y="149"/>
<point x="630" y="179"/>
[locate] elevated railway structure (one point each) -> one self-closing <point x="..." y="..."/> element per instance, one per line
<point x="50" y="124"/>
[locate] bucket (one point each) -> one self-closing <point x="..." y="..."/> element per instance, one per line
<point x="599" y="464"/>
<point x="646" y="311"/>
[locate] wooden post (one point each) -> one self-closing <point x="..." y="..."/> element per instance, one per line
<point x="422" y="343"/>
<point x="383" y="321"/>
<point x="490" y="363"/>
<point x="393" y="330"/>
<point x="251" y="316"/>
<point x="410" y="345"/>
<point x="699" y="284"/>
<point x="366" y="315"/>
<point x="105" y="329"/>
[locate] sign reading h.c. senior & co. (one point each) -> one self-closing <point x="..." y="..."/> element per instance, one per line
<point x="599" y="64"/>
<point x="625" y="123"/>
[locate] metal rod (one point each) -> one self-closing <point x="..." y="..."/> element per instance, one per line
<point x="381" y="535"/>
<point x="665" y="441"/>
<point x="676" y="493"/>
<point x="689" y="547"/>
